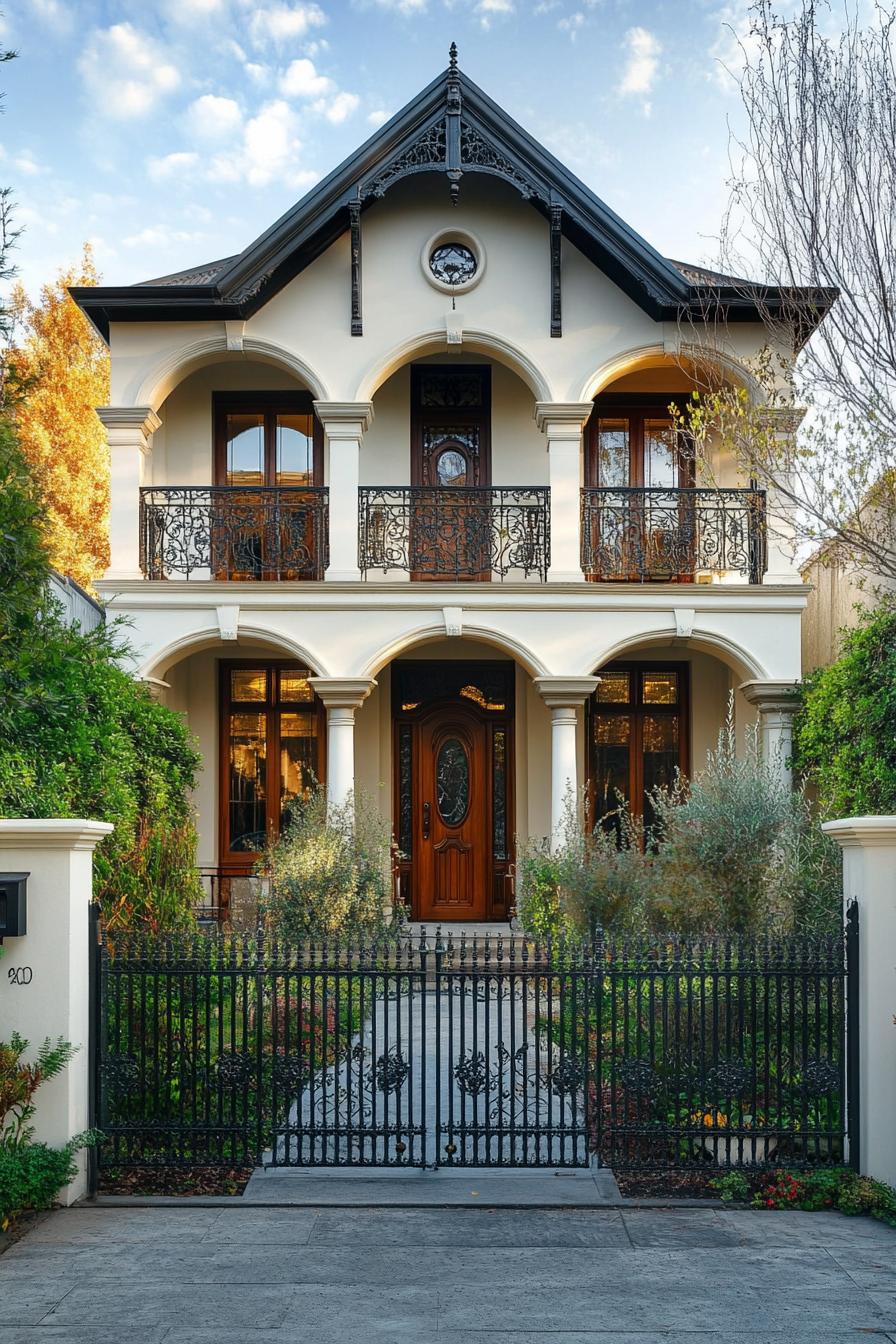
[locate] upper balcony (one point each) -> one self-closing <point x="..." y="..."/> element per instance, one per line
<point x="463" y="478"/>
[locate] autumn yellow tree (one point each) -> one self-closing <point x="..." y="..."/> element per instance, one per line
<point x="61" y="371"/>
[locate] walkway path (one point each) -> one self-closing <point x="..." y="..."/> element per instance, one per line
<point x="452" y="1276"/>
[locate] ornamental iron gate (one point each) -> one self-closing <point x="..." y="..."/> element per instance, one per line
<point x="447" y="1050"/>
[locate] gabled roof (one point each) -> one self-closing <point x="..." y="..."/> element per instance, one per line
<point x="453" y="128"/>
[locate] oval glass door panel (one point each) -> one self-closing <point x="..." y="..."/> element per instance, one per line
<point x="451" y="468"/>
<point x="452" y="781"/>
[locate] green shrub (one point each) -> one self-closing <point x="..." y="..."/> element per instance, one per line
<point x="330" y="872"/>
<point x="582" y="880"/>
<point x="830" y="1188"/>
<point x="32" y="1175"/>
<point x="733" y="1187"/>
<point x="79" y="737"/>
<point x="19" y="1080"/>
<point x="845" y="735"/>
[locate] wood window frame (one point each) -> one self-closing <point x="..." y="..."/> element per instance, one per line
<point x="447" y="415"/>
<point x="246" y="860"/>
<point x="636" y="709"/>
<point x="269" y="405"/>
<point x="636" y="408"/>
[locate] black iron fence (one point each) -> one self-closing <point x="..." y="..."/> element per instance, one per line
<point x="233" y="532"/>
<point x="432" y="1049"/>
<point x="639" y="534"/>
<point x="442" y="533"/>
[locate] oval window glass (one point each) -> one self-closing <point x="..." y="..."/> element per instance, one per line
<point x="451" y="468"/>
<point x="452" y="263"/>
<point x="452" y="781"/>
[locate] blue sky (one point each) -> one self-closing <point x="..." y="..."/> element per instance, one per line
<point x="171" y="133"/>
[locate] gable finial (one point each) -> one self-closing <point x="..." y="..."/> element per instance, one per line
<point x="452" y="56"/>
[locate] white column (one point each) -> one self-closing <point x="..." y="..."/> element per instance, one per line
<point x="342" y="696"/>
<point x="128" y="429"/>
<point x="345" y="423"/>
<point x="777" y="702"/>
<point x="869" y="877"/>
<point x="563" y="697"/>
<point x="44" y="984"/>
<point x="562" y="423"/>
<point x="783" y="422"/>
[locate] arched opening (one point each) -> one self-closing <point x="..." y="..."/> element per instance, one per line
<point x="453" y="473"/>
<point x="657" y="712"/>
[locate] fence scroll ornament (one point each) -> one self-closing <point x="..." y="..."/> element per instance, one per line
<point x="648" y="1053"/>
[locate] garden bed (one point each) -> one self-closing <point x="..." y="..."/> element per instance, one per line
<point x="174" y="1181"/>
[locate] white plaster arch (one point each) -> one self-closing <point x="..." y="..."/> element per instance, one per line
<point x="195" y="641"/>
<point x="645" y="356"/>
<point x="428" y="634"/>
<point x="177" y="365"/>
<point x="734" y="655"/>
<point x="481" y="342"/>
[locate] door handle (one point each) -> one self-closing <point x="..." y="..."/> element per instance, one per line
<point x="427" y="817"/>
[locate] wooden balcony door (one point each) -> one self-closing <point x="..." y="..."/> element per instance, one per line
<point x="635" y="447"/>
<point x="264" y="440"/>
<point x="450" y="525"/>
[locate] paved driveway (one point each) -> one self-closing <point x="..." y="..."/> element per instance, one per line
<point x="455" y="1276"/>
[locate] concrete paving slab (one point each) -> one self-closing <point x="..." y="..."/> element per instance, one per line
<point x="434" y="1189"/>
<point x="474" y="1227"/>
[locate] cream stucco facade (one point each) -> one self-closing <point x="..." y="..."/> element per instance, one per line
<point x="351" y="624"/>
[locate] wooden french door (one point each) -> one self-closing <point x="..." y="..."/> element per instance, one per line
<point x="450" y="525"/>
<point x="268" y="456"/>
<point x="638" y="456"/>
<point x="452" y="832"/>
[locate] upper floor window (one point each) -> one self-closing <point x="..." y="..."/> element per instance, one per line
<point x="634" y="442"/>
<point x="267" y="438"/>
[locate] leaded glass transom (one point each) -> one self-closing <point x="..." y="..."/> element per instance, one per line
<point x="452" y="263"/>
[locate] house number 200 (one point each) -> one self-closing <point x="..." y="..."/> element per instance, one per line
<point x="20" y="975"/>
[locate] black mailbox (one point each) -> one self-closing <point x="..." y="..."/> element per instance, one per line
<point x="13" y="909"/>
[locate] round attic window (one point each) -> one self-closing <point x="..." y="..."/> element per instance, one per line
<point x="453" y="261"/>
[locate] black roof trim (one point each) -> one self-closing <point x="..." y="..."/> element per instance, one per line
<point x="452" y="127"/>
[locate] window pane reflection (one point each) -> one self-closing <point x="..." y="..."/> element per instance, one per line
<point x="614" y="688"/>
<point x="659" y="688"/>
<point x="660" y="744"/>
<point x="295" y="450"/>
<point x="612" y="761"/>
<point x="245" y="449"/>
<point x="613" y="452"/>
<point x="247" y="801"/>
<point x="660" y="455"/>
<point x="294" y="687"/>
<point x="298" y="760"/>
<point x="248" y="683"/>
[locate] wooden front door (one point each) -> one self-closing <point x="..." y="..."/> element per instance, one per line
<point x="452" y="826"/>
<point x="451" y="514"/>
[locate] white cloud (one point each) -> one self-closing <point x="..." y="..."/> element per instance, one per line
<point x="489" y="9"/>
<point x="27" y="164"/>
<point x="191" y="11"/>
<point x="572" y="24"/>
<point x="404" y="6"/>
<point x="642" y="63"/>
<point x="283" y="23"/>
<point x="126" y="71"/>
<point x="172" y="165"/>
<point x="214" y="118"/>
<point x="53" y="14"/>
<point x="377" y="117"/>
<point x="159" y="235"/>
<point x="339" y="109"/>
<point x="270" y="151"/>
<point x="301" y="80"/>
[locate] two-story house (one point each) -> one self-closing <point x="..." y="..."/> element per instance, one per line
<point x="398" y="504"/>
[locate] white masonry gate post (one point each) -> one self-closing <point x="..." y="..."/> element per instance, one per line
<point x="869" y="876"/>
<point x="45" y="975"/>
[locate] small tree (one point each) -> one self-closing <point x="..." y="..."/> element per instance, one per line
<point x="845" y="735"/>
<point x="61" y="369"/>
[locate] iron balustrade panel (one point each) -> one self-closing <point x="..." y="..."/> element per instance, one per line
<point x="717" y="1054"/>
<point x="234" y="532"/>
<point x="640" y="534"/>
<point x="514" y="1071"/>
<point x="443" y="533"/>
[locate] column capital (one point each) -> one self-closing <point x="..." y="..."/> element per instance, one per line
<point x="565" y="692"/>
<point x="52" y="833"/>
<point x="781" y="419"/>
<point x="342" y="692"/>
<point x="345" y="419"/>
<point x="562" y="419"/>
<point x="129" y="424"/>
<point x="771" y="697"/>
<point x="859" y="832"/>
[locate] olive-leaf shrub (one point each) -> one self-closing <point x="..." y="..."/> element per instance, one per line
<point x="329" y="874"/>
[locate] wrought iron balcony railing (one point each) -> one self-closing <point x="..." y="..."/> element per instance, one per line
<point x="233" y="532"/>
<point x="469" y="533"/>
<point x="639" y="534"/>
